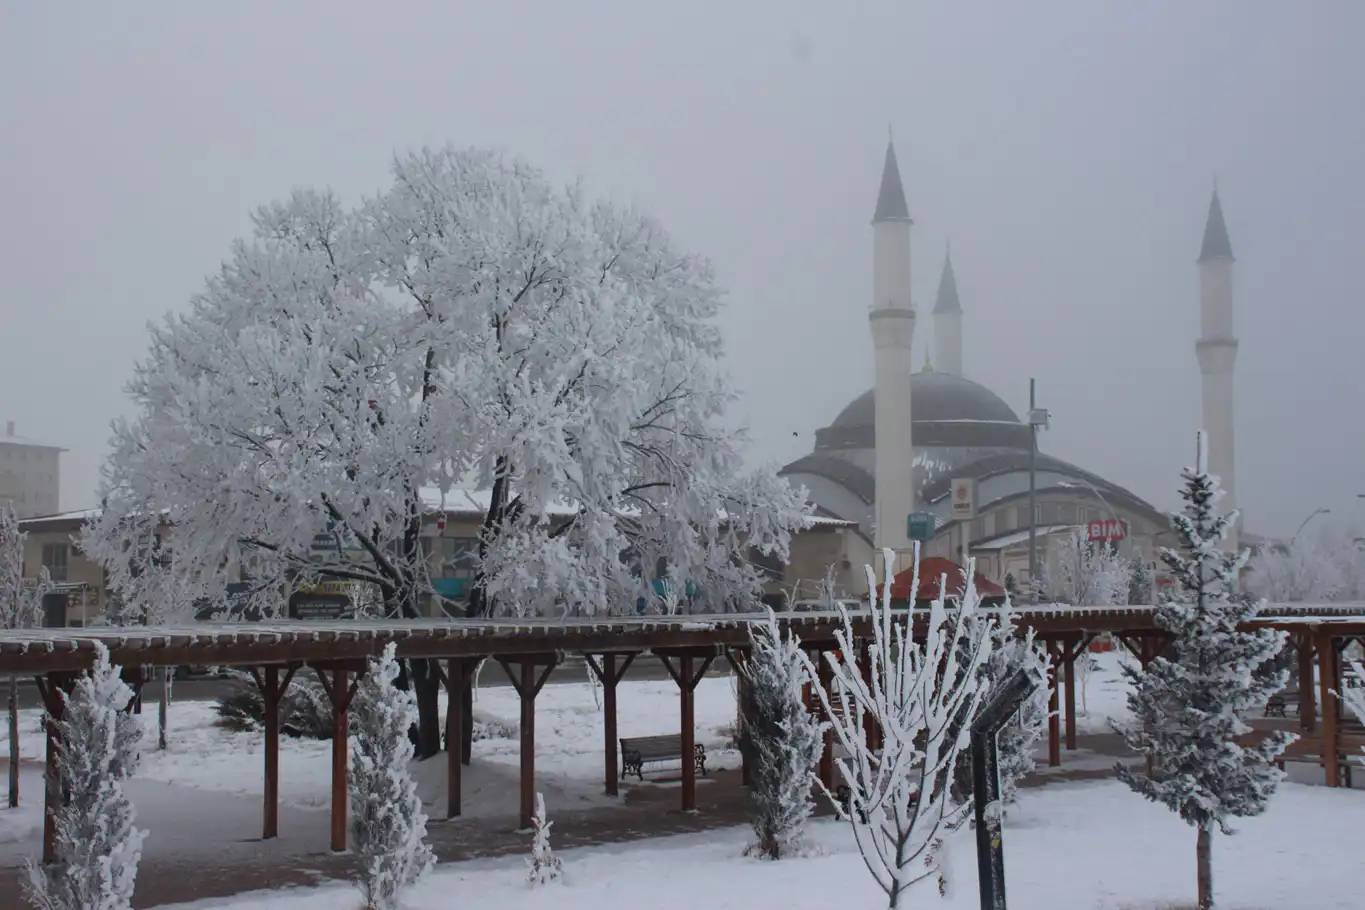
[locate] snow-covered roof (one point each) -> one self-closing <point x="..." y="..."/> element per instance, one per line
<point x="75" y="515"/>
<point x="17" y="440"/>
<point x="1017" y="537"/>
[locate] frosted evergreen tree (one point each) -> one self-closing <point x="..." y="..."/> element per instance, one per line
<point x="922" y="697"/>
<point x="1353" y="697"/>
<point x="97" y="847"/>
<point x="1139" y="581"/>
<point x="544" y="866"/>
<point x="388" y="826"/>
<point x="1187" y="706"/>
<point x="780" y="739"/>
<point x="21" y="607"/>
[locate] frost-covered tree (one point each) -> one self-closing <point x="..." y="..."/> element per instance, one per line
<point x="1087" y="572"/>
<point x="1313" y="567"/>
<point x="1017" y="741"/>
<point x="388" y="826"/>
<point x="1140" y="581"/>
<point x="780" y="739"/>
<point x="97" y="847"/>
<point x="1353" y="697"/>
<point x="543" y="866"/>
<point x="21" y="607"/>
<point x="900" y="804"/>
<point x="1187" y="706"/>
<point x="473" y="324"/>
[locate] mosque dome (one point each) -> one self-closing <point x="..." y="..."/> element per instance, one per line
<point x="947" y="410"/>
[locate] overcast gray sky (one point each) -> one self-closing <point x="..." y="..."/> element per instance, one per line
<point x="1066" y="147"/>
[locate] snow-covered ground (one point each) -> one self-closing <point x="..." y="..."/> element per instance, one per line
<point x="1088" y="846"/>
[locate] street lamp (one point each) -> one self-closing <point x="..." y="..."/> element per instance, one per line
<point x="1311" y="515"/>
<point x="1037" y="418"/>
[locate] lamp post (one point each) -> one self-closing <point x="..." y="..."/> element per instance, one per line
<point x="1037" y="417"/>
<point x="1311" y="515"/>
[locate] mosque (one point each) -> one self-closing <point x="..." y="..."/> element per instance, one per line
<point x="949" y="451"/>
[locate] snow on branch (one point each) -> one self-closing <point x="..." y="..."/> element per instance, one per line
<point x="922" y="697"/>
<point x="543" y="866"/>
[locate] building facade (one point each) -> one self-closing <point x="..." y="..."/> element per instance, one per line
<point x="30" y="474"/>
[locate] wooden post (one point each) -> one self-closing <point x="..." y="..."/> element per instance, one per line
<point x="609" y="675"/>
<point x="1329" y="682"/>
<point x="51" y="689"/>
<point x="687" y="681"/>
<point x="1308" y="703"/>
<point x="826" y="676"/>
<point x="270" y="695"/>
<point x="340" y="690"/>
<point x="1054" y="733"/>
<point x="341" y="729"/>
<point x="688" y="728"/>
<point x="272" y="689"/>
<point x="528" y="685"/>
<point x="457" y="676"/>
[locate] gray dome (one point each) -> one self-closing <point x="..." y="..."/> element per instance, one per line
<point x="948" y="411"/>
<point x="935" y="396"/>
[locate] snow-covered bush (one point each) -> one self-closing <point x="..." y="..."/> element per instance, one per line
<point x="899" y="800"/>
<point x="1187" y="706"/>
<point x="780" y="739"/>
<point x="388" y="826"/>
<point x="1087" y="572"/>
<point x="543" y="865"/>
<point x="1140" y="581"/>
<point x="1017" y="741"/>
<point x="97" y="847"/>
<point x="305" y="708"/>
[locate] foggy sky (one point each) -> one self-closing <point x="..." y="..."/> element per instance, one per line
<point x="1067" y="148"/>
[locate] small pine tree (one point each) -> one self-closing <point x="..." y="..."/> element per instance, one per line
<point x="544" y="866"/>
<point x="1187" y="706"/>
<point x="388" y="826"/>
<point x="97" y="847"/>
<point x="1353" y="697"/>
<point x="1139" y="581"/>
<point x="780" y="739"/>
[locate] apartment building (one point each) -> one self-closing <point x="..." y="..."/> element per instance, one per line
<point x="30" y="474"/>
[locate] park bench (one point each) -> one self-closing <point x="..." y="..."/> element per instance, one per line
<point x="636" y="752"/>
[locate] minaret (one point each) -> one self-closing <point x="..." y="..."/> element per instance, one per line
<point x="948" y="321"/>
<point x="893" y="330"/>
<point x="1217" y="353"/>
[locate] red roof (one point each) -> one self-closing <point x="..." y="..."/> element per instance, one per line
<point x="931" y="568"/>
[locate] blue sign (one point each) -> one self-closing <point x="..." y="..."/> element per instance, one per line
<point x="919" y="526"/>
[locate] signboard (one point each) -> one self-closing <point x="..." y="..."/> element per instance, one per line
<point x="1106" y="529"/>
<point x="964" y="499"/>
<point x="318" y="606"/>
<point x="919" y="526"/>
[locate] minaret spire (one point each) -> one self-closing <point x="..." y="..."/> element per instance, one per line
<point x="948" y="320"/>
<point x="1216" y="351"/>
<point x="891" y="194"/>
<point x="892" y="322"/>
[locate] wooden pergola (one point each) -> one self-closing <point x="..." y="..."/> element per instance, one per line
<point x="529" y="649"/>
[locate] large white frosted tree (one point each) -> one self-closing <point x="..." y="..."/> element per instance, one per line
<point x="922" y="697"/>
<point x="388" y="826"/>
<point x="97" y="846"/>
<point x="474" y="325"/>
<point x="1087" y="572"/>
<point x="21" y="607"/>
<point x="1187" y="705"/>
<point x="780" y="738"/>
